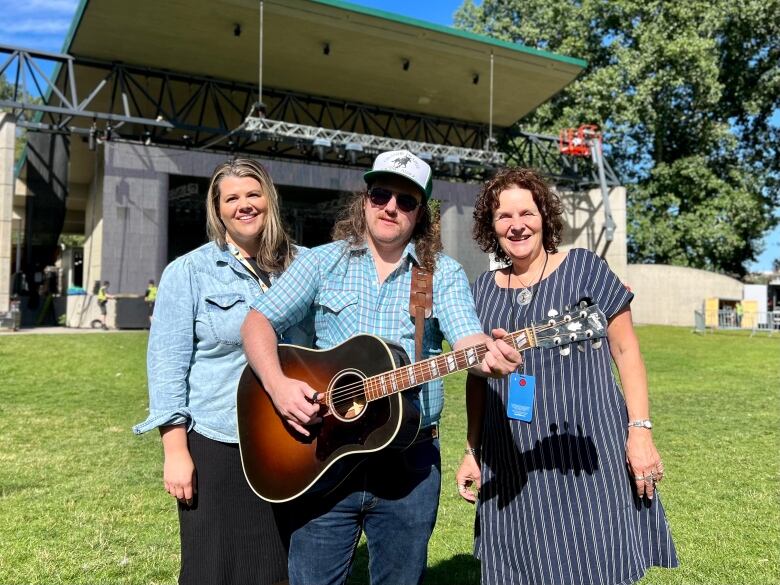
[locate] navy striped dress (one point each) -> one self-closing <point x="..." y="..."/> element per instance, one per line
<point x="557" y="506"/>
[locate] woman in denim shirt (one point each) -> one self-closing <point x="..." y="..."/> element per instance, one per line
<point x="194" y="361"/>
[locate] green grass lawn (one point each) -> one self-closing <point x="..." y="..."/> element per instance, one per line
<point x="81" y="498"/>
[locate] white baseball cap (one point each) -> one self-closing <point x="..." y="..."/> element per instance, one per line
<point x="404" y="164"/>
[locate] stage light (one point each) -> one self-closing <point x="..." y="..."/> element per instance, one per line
<point x="453" y="164"/>
<point x="353" y="150"/>
<point x="321" y="145"/>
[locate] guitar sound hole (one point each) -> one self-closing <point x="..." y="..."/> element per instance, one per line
<point x="347" y="398"/>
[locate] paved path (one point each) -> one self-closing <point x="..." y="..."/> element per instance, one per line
<point x="59" y="330"/>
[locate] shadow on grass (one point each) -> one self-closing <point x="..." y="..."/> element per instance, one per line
<point x="462" y="569"/>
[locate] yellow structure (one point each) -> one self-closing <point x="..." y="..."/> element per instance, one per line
<point x="711" y="312"/>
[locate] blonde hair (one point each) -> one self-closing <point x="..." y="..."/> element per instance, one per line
<point x="276" y="251"/>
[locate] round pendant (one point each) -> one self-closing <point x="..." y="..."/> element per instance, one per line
<point x="524" y="296"/>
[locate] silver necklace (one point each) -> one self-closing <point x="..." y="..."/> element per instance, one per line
<point x="525" y="295"/>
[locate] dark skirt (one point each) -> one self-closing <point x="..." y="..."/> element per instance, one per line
<point x="228" y="535"/>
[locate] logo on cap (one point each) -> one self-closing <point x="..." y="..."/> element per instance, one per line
<point x="402" y="161"/>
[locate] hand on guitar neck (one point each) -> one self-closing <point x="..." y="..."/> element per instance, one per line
<point x="297" y="402"/>
<point x="500" y="359"/>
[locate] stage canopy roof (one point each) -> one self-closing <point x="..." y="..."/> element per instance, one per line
<point x="373" y="57"/>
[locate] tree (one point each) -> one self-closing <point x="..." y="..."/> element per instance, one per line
<point x="7" y="93"/>
<point x="684" y="93"/>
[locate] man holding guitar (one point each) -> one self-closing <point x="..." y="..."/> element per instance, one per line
<point x="361" y="283"/>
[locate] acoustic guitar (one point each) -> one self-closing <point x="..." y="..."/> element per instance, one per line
<point x="370" y="402"/>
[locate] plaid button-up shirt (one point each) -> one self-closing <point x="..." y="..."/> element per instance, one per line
<point x="338" y="285"/>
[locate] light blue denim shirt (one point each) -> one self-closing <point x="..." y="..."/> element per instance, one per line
<point x="195" y="355"/>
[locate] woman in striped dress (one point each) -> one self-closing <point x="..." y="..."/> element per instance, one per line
<point x="569" y="497"/>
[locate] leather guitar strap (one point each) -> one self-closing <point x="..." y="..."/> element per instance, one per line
<point x="420" y="305"/>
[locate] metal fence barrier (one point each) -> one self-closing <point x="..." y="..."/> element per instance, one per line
<point x="728" y="319"/>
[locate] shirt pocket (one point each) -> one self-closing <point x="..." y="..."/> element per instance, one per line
<point x="338" y="315"/>
<point x="226" y="313"/>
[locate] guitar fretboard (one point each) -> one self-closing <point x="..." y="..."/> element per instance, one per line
<point x="418" y="373"/>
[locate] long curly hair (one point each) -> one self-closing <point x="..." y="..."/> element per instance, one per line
<point x="351" y="226"/>
<point x="487" y="202"/>
<point x="276" y="250"/>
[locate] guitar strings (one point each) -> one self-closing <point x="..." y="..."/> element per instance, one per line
<point x="354" y="390"/>
<point x="347" y="393"/>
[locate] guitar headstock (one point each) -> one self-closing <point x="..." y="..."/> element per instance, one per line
<point x="583" y="323"/>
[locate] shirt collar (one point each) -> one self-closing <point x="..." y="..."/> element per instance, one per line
<point x="224" y="254"/>
<point x="409" y="251"/>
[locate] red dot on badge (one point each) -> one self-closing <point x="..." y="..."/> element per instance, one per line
<point x="522" y="382"/>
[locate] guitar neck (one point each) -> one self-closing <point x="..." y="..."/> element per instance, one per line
<point x="437" y="367"/>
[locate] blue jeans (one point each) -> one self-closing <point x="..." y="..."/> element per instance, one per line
<point x="393" y="497"/>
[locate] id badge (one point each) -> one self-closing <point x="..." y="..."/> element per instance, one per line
<point x="521" y="397"/>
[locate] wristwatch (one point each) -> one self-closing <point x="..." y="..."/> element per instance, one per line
<point x="642" y="424"/>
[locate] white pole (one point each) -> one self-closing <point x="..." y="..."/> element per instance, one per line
<point x="260" y="59"/>
<point x="490" y="117"/>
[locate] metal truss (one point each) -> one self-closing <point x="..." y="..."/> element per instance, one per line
<point x="161" y="107"/>
<point x="542" y="152"/>
<point x="32" y="90"/>
<point x="325" y="141"/>
<point x="577" y="173"/>
<point x="190" y="110"/>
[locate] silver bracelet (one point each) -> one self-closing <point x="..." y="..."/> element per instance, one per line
<point x="642" y="424"/>
<point x="471" y="451"/>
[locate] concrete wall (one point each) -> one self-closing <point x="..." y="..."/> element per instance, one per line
<point x="584" y="222"/>
<point x="669" y="295"/>
<point x="7" y="139"/>
<point x="93" y="229"/>
<point x="457" y="213"/>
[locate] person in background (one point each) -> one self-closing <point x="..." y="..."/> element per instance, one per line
<point x="150" y="296"/>
<point x="567" y="495"/>
<point x="102" y="299"/>
<point x="195" y="359"/>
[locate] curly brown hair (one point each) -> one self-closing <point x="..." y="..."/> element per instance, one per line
<point x="351" y="226"/>
<point x="487" y="202"/>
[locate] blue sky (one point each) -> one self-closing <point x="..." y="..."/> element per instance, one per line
<point x="43" y="25"/>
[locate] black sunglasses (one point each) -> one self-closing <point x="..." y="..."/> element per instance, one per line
<point x="380" y="196"/>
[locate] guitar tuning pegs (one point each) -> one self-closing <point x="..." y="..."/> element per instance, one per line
<point x="596" y="344"/>
<point x="552" y="313"/>
<point x="565" y="350"/>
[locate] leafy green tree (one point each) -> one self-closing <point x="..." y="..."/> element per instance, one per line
<point x="684" y="93"/>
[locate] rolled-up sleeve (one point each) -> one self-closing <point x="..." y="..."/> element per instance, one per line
<point x="289" y="300"/>
<point x="455" y="304"/>
<point x="171" y="346"/>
